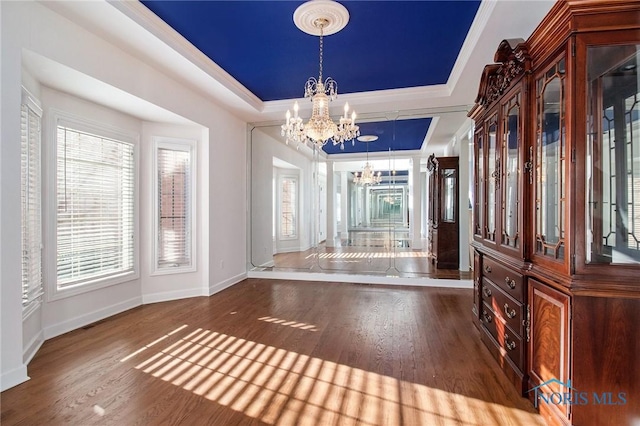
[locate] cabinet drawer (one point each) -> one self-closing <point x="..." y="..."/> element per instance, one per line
<point x="506" y="307"/>
<point x="510" y="281"/>
<point x="510" y="343"/>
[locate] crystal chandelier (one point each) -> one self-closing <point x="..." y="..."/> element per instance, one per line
<point x="310" y="17"/>
<point x="367" y="176"/>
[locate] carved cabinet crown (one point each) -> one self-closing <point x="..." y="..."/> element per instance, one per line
<point x="512" y="61"/>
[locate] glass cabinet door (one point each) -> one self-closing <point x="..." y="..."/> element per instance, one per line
<point x="613" y="155"/>
<point x="550" y="163"/>
<point x="449" y="195"/>
<point x="479" y="185"/>
<point x="511" y="174"/>
<point x="493" y="177"/>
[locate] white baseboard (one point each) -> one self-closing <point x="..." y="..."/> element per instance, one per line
<point x="81" y="321"/>
<point x="215" y="288"/>
<point x="166" y="296"/>
<point x="360" y="279"/>
<point x="288" y="250"/>
<point x="13" y="378"/>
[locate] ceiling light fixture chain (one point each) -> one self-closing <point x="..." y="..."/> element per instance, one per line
<point x="320" y="127"/>
<point x="320" y="22"/>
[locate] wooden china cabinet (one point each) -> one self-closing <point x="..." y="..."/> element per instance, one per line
<point x="556" y="216"/>
<point x="443" y="236"/>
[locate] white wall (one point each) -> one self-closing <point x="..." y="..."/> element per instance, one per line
<point x="33" y="27"/>
<point x="459" y="146"/>
<point x="266" y="145"/>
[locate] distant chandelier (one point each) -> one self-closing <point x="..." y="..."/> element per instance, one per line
<point x="367" y="176"/>
<point x="315" y="17"/>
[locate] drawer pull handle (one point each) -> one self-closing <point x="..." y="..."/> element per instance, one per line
<point x="486" y="292"/>
<point x="510" y="345"/>
<point x="486" y="317"/>
<point x="509" y="312"/>
<point x="487" y="269"/>
<point x="511" y="283"/>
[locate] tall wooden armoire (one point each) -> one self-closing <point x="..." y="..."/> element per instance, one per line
<point x="556" y="215"/>
<point x="444" y="227"/>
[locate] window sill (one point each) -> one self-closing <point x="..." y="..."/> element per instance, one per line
<point x="89" y="286"/>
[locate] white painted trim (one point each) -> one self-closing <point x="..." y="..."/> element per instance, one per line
<point x="379" y="155"/>
<point x="32" y="347"/>
<point x="406" y="94"/>
<point x="287" y="175"/>
<point x="31" y="308"/>
<point x="471" y="41"/>
<point x="183" y="145"/>
<point x="361" y="279"/>
<point x="49" y="271"/>
<point x="167" y="296"/>
<point x="142" y="16"/>
<point x="432" y="128"/>
<point x="13" y="378"/>
<point x="82" y="320"/>
<point x="293" y="249"/>
<point x="215" y="288"/>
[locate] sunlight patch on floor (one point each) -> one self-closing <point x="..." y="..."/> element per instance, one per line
<point x="293" y="324"/>
<point x="277" y="386"/>
<point x="367" y="255"/>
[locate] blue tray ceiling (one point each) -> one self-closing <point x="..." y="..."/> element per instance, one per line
<point x="386" y="45"/>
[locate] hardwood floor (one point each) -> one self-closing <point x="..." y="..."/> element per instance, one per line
<point x="276" y="353"/>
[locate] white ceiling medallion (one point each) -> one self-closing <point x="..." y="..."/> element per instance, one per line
<point x="307" y="14"/>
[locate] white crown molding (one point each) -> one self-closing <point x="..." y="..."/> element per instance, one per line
<point x="142" y="16"/>
<point x="474" y="35"/>
<point x="378" y="155"/>
<point x="429" y="135"/>
<point x="368" y="103"/>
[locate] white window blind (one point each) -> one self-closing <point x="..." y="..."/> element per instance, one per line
<point x="31" y="195"/>
<point x="95" y="207"/>
<point x="174" y="185"/>
<point x="288" y="208"/>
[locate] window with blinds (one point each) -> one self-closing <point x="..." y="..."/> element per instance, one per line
<point x="174" y="206"/>
<point x="95" y="208"/>
<point x="31" y="195"/>
<point x="288" y="207"/>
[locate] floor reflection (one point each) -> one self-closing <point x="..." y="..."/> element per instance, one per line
<point x="367" y="251"/>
